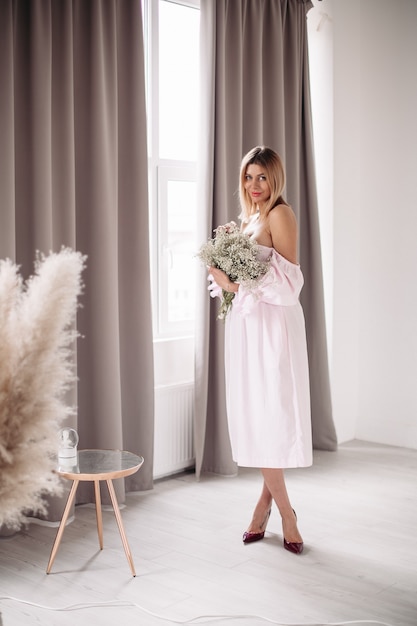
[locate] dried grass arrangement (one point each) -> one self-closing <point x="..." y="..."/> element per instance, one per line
<point x="36" y="345"/>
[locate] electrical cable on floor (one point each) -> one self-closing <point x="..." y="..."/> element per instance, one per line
<point x="193" y="620"/>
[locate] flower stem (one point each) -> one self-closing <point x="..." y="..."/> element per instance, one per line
<point x="226" y="304"/>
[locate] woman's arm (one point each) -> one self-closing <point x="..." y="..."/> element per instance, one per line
<point x="283" y="229"/>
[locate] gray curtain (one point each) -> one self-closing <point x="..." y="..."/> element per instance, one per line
<point x="73" y="172"/>
<point x="255" y="91"/>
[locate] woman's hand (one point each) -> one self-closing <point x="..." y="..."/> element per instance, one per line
<point x="222" y="279"/>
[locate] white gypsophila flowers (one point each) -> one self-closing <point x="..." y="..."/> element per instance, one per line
<point x="36" y="369"/>
<point x="236" y="254"/>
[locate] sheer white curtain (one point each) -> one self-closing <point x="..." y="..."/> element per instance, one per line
<point x="73" y="171"/>
<point x="255" y="91"/>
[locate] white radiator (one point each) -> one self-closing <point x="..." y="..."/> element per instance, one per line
<point x="174" y="445"/>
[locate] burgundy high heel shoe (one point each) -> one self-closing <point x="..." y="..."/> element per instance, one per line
<point x="249" y="537"/>
<point x="293" y="546"/>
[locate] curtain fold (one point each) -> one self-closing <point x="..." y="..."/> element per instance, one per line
<point x="255" y="60"/>
<point x="74" y="173"/>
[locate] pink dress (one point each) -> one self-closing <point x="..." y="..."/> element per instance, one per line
<point x="266" y="367"/>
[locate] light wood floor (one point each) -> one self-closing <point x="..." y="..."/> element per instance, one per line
<point x="357" y="512"/>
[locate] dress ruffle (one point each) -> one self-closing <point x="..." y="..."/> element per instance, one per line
<point x="214" y="289"/>
<point x="281" y="285"/>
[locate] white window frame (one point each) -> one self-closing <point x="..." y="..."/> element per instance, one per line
<point x="165" y="174"/>
<point x="158" y="171"/>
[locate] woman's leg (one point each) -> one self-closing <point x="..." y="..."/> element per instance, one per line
<point x="274" y="484"/>
<point x="261" y="512"/>
<point x="274" y="488"/>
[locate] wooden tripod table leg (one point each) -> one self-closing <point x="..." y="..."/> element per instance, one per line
<point x="99" y="515"/>
<point x="61" y="528"/>
<point x="120" y="525"/>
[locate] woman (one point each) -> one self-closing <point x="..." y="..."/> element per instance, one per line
<point x="267" y="383"/>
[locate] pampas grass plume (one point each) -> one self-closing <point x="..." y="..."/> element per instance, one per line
<point x="36" y="369"/>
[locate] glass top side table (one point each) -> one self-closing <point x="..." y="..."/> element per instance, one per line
<point x="97" y="465"/>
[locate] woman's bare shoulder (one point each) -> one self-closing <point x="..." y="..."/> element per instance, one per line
<point x="283" y="231"/>
<point x="282" y="216"/>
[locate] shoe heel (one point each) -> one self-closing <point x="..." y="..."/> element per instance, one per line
<point x="249" y="537"/>
<point x="293" y="546"/>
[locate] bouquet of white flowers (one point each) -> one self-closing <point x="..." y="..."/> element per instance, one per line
<point x="236" y="254"/>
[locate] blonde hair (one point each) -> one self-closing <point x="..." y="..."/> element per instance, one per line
<point x="272" y="164"/>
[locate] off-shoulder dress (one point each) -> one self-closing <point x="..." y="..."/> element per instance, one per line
<point x="266" y="368"/>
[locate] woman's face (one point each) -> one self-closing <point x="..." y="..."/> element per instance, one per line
<point x="256" y="184"/>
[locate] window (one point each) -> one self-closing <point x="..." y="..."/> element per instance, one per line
<point x="172" y="49"/>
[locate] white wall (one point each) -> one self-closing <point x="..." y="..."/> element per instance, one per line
<point x="373" y="347"/>
<point x="388" y="285"/>
<point x="347" y="210"/>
